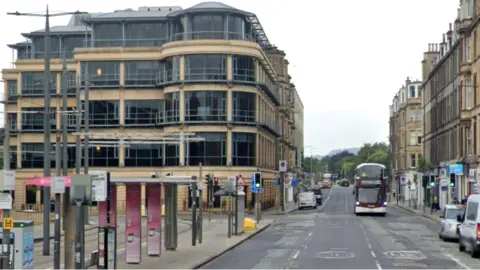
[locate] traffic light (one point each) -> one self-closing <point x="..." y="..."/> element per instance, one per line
<point x="432" y="180"/>
<point x="258" y="180"/>
<point x="425" y="181"/>
<point x="216" y="180"/>
<point x="452" y="180"/>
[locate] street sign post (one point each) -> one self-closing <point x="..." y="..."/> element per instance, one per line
<point x="282" y="166"/>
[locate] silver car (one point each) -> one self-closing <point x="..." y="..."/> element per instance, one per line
<point x="307" y="199"/>
<point x="449" y="223"/>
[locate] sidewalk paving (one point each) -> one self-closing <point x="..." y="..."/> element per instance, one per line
<point x="435" y="216"/>
<point x="215" y="243"/>
<point x="289" y="208"/>
<point x="38" y="229"/>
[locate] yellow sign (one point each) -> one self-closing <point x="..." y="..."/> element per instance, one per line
<point x="8" y="223"/>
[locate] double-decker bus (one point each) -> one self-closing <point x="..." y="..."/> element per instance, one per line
<point x="370" y="189"/>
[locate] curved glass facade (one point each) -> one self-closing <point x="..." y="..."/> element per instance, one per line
<point x="205" y="106"/>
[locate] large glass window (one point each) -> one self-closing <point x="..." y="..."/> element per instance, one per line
<point x="32" y="156"/>
<point x="143" y="155"/>
<point x="24" y="53"/>
<point x="108" y="34"/>
<point x="211" y="152"/>
<point x="143" y="112"/>
<point x="243" y="106"/>
<point x="170" y="71"/>
<point x="145" y="34"/>
<point x="207" y="26"/>
<point x="205" y="67"/>
<point x="101" y="74"/>
<point x="172" y="154"/>
<point x="69" y="43"/>
<point x="141" y="73"/>
<point x="39" y="47"/>
<point x="172" y="107"/>
<point x="13" y="157"/>
<point x="12" y="90"/>
<point x="205" y="106"/>
<point x="12" y="121"/>
<point x="104" y="113"/>
<point x="33" y="83"/>
<point x="104" y="154"/>
<point x="33" y="119"/>
<point x="243" y="146"/>
<point x="243" y="68"/>
<point x="236" y="27"/>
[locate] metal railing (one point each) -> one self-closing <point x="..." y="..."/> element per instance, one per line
<point x="244" y="75"/>
<point x="141" y="80"/>
<point x="244" y="116"/>
<point x="171" y="116"/>
<point x="205" y="74"/>
<point x="168" y="76"/>
<point x="142" y="119"/>
<point x="71" y="83"/>
<point x="103" y="81"/>
<point x="39" y="55"/>
<point x="95" y="43"/>
<point x="104" y="119"/>
<point x="212" y="115"/>
<point x="211" y="35"/>
<point x="37" y="89"/>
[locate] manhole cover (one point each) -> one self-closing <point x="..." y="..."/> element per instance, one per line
<point x="405" y="255"/>
<point x="335" y="254"/>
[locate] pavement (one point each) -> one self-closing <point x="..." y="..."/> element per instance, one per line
<point x="333" y="237"/>
<point x="38" y="229"/>
<point x="425" y="212"/>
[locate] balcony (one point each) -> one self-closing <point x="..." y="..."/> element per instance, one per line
<point x="141" y="80"/>
<point x="37" y="90"/>
<point x="211" y="35"/>
<point x="105" y="81"/>
<point x="244" y="75"/>
<point x="168" y="77"/>
<point x="466" y="67"/>
<point x="243" y="116"/>
<point x="205" y="75"/>
<point x="103" y="43"/>
<point x="41" y="55"/>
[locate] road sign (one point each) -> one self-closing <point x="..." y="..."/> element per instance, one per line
<point x="8" y="223"/>
<point x="282" y="166"/>
<point x="241" y="181"/>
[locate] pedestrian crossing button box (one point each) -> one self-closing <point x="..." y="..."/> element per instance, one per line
<point x="22" y="237"/>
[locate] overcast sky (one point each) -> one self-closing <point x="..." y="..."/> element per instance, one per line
<point x="347" y="57"/>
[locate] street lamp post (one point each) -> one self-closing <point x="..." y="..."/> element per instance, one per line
<point x="46" y="124"/>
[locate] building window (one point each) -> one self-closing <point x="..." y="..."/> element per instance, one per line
<point x="69" y="43"/>
<point x="145" y="34"/>
<point x="33" y="119"/>
<point x="412" y="114"/>
<point x="208" y="24"/>
<point x="413" y="161"/>
<point x="243" y="68"/>
<point x="12" y="90"/>
<point x="143" y="112"/>
<point x="101" y="74"/>
<point x="467" y="141"/>
<point x="104" y="154"/>
<point x="141" y="73"/>
<point x="33" y="83"/>
<point x="170" y="71"/>
<point x="244" y="106"/>
<point x="143" y="155"/>
<point x="172" y="107"/>
<point x="12" y="121"/>
<point x="205" y="67"/>
<point x="468" y="95"/>
<point x="419" y="139"/>
<point x="243" y="149"/>
<point x="108" y="34"/>
<point x="32" y="156"/>
<point x="211" y="152"/>
<point x="412" y="91"/>
<point x="236" y="27"/>
<point x="467" y="50"/>
<point x="206" y="106"/>
<point x="104" y="113"/>
<point x="413" y="138"/>
<point x="419" y="115"/>
<point x="172" y="155"/>
<point x="13" y="157"/>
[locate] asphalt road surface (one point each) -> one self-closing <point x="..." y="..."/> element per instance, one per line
<point x="333" y="237"/>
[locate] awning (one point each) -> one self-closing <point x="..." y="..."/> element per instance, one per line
<point x="46" y="181"/>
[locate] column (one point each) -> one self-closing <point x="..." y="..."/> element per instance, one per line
<point x="122" y="73"/>
<point x="229" y="104"/>
<point x="121" y="153"/>
<point x="121" y="107"/>
<point x="229" y="148"/>
<point x="229" y="66"/>
<point x="58" y="79"/>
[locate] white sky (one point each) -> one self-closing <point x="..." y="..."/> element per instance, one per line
<point x="347" y="58"/>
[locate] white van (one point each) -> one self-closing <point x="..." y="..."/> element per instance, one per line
<point x="469" y="231"/>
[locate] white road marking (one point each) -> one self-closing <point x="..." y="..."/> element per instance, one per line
<point x="346" y="201"/>
<point x="456" y="260"/>
<point x="339" y="248"/>
<point x="379" y="266"/>
<point x="370" y="247"/>
<point x="296" y="255"/>
<point x="373" y="254"/>
<point x="310" y="234"/>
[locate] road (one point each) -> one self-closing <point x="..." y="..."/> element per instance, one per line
<point x="333" y="237"/>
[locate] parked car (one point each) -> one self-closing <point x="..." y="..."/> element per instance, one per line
<point x="469" y="231"/>
<point x="449" y="223"/>
<point x="307" y="199"/>
<point x="318" y="195"/>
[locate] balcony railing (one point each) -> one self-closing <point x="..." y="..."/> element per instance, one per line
<point x="167" y="77"/>
<point x="205" y="74"/>
<point x="244" y="116"/>
<point x="35" y="90"/>
<point x="144" y="119"/>
<point x="103" y="81"/>
<point x="40" y="55"/>
<point x="244" y="75"/>
<point x="71" y="83"/>
<point x="211" y="35"/>
<point x="124" y="42"/>
<point x="141" y="80"/>
<point x="211" y="115"/>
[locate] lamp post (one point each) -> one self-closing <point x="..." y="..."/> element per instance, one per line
<point x="46" y="124"/>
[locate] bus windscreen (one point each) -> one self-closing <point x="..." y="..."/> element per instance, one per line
<point x="370" y="172"/>
<point x="370" y="195"/>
